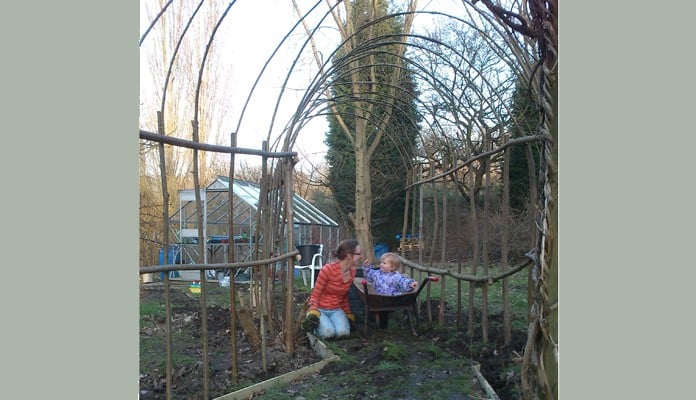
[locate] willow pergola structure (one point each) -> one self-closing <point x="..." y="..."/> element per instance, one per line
<point x="523" y="34"/>
<point x="528" y="44"/>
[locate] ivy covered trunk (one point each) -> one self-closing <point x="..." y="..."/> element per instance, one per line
<point x="549" y="346"/>
<point x="540" y="362"/>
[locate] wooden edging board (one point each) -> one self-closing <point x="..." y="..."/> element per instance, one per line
<point x="248" y="392"/>
<point x="492" y="395"/>
<point x="327" y="357"/>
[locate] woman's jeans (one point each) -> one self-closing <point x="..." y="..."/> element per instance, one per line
<point x="333" y="323"/>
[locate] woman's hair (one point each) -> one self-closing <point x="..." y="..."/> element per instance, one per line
<point x="393" y="258"/>
<point x="345" y="247"/>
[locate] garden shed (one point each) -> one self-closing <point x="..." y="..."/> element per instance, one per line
<point x="311" y="225"/>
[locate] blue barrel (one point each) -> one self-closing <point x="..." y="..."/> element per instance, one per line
<point x="380" y="249"/>
<point x="174" y="257"/>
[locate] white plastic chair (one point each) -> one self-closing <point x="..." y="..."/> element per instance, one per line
<point x="311" y="260"/>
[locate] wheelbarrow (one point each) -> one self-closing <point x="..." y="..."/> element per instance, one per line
<point x="377" y="303"/>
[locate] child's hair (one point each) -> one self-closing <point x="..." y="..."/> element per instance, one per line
<point x="393" y="258"/>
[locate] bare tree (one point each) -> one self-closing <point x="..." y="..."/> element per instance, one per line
<point x="172" y="54"/>
<point x="176" y="87"/>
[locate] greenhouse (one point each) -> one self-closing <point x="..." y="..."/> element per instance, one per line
<point x="311" y="225"/>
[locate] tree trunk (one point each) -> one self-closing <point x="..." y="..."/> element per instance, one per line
<point x="475" y="244"/>
<point x="533" y="198"/>
<point x="445" y="217"/>
<point x="363" y="195"/>
<point x="541" y="351"/>
<point x="549" y="288"/>
<point x="201" y="219"/>
<point x="436" y="217"/>
<point x="289" y="270"/>
<point x="484" y="243"/>
<point x="234" y="370"/>
<point x="504" y="248"/>
<point x="460" y="241"/>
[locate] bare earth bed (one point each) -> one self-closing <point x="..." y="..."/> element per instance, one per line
<point x="385" y="363"/>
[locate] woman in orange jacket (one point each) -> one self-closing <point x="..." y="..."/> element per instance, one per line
<point x="329" y="310"/>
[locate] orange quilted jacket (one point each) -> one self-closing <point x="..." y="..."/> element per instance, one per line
<point x="330" y="292"/>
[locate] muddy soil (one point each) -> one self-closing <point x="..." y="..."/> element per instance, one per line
<point x="496" y="361"/>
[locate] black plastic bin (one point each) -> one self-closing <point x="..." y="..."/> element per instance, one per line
<point x="307" y="252"/>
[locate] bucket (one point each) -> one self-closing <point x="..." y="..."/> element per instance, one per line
<point x="307" y="251"/>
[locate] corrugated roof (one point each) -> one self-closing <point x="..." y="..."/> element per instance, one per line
<point x="305" y="212"/>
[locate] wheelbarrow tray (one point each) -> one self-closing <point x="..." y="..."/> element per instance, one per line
<point x="377" y="302"/>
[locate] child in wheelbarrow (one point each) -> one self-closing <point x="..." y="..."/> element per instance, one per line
<point x="387" y="280"/>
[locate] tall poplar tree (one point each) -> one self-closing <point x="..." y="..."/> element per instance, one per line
<point x="373" y="126"/>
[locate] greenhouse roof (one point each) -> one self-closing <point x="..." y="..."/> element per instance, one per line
<point x="305" y="213"/>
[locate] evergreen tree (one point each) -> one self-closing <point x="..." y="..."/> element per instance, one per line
<point x="525" y="114"/>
